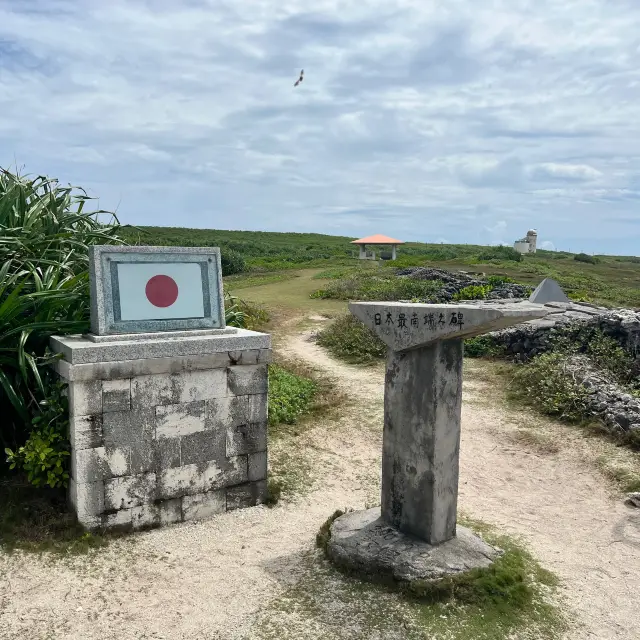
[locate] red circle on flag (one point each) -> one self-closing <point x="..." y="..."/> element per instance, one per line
<point x="161" y="291"/>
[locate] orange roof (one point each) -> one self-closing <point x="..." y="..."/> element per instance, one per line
<point x="377" y="239"/>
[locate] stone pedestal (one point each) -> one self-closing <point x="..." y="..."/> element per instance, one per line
<point x="422" y="406"/>
<point x="165" y="428"/>
<point x="364" y="542"/>
<point x="423" y="398"/>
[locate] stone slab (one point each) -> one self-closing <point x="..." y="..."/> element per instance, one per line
<point x="85" y="432"/>
<point x="121" y="369"/>
<point x="246" y="495"/>
<point x="174" y="420"/>
<point x="404" y="326"/>
<point x="116" y="395"/>
<point x="362" y="542"/>
<point x="129" y="491"/>
<point x="79" y="350"/>
<point x="204" y="505"/>
<point x="106" y="297"/>
<point x="548" y="291"/>
<point x="248" y="380"/>
<point x="158" y="514"/>
<point x="258" y="466"/>
<point x="166" y="334"/>
<point x="190" y="386"/>
<point x="85" y="398"/>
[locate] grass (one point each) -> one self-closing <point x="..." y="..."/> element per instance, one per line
<point x="292" y="296"/>
<point x="510" y="599"/>
<point x="37" y="520"/>
<point x="248" y="280"/>
<point x="533" y="439"/>
<point x="298" y="397"/>
<point x="613" y="280"/>
<point x="627" y="478"/>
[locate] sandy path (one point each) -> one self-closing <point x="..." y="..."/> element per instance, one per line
<point x="210" y="580"/>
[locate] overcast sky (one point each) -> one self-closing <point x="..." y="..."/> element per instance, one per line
<point x="458" y="121"/>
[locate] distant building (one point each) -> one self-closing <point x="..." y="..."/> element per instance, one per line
<point x="368" y="254"/>
<point x="528" y="244"/>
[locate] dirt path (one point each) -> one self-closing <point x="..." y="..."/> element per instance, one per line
<point x="217" y="579"/>
<point x="565" y="511"/>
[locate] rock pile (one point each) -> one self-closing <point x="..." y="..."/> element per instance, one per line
<point x="453" y="283"/>
<point x="531" y="338"/>
<point x="606" y="399"/>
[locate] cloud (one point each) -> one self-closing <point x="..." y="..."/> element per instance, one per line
<point x="547" y="245"/>
<point x="507" y="173"/>
<point x="564" y="172"/>
<point x="412" y="119"/>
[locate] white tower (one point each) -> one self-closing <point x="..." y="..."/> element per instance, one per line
<point x="532" y="239"/>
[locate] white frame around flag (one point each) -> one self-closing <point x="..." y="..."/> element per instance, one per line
<point x="106" y="317"/>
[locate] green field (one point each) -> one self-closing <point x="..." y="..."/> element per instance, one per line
<point x="612" y="280"/>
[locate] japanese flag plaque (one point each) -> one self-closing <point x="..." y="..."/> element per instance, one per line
<point x="149" y="289"/>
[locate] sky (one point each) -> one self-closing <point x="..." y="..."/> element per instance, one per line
<point x="466" y="121"/>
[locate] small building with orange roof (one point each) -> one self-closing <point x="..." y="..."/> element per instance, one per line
<point x="376" y="240"/>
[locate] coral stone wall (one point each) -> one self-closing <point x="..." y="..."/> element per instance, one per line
<point x="164" y="440"/>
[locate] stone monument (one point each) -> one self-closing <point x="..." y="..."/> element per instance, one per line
<point x="413" y="535"/>
<point x="548" y="291"/>
<point x="167" y="405"/>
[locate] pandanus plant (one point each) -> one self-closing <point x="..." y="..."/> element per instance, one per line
<point x="45" y="233"/>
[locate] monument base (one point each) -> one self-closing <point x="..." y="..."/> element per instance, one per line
<point x="165" y="430"/>
<point x="364" y="543"/>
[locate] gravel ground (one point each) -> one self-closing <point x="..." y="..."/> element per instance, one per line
<point x="217" y="579"/>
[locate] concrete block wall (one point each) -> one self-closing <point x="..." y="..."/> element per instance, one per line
<point x="163" y="440"/>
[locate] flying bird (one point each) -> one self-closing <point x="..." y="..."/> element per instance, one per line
<point x="300" y="79"/>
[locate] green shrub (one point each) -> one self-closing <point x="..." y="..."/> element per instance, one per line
<point x="579" y="296"/>
<point x="242" y="314"/>
<point x="44" y="287"/>
<point x="496" y="281"/>
<point x="481" y="347"/>
<point x="500" y="252"/>
<point x="379" y="286"/>
<point x="290" y="395"/>
<point x="609" y="355"/>
<point x="349" y="339"/>
<point x="473" y="292"/>
<point x="546" y="383"/>
<point x="585" y="257"/>
<point x="603" y="350"/>
<point x="232" y="262"/>
<point x="44" y="456"/>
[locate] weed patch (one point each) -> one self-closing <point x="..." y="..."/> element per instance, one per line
<point x="324" y="535"/>
<point x="378" y="285"/>
<point x="36" y="519"/>
<point x="627" y="478"/>
<point x="349" y="339"/>
<point x="546" y="384"/>
<point x="510" y="599"/>
<point x="290" y="395"/>
<point x="473" y="292"/>
<point x="296" y="396"/>
<point x="482" y="347"/>
<point x="535" y="440"/>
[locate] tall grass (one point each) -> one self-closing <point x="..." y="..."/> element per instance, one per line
<point x="45" y="233"/>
